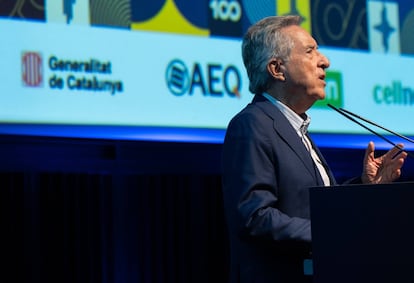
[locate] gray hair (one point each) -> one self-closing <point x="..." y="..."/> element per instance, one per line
<point x="262" y="42"/>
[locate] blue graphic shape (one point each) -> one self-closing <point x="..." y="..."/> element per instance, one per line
<point x="406" y="16"/>
<point x="257" y="10"/>
<point x="68" y="9"/>
<point x="143" y="10"/>
<point x="194" y="12"/>
<point x="177" y="77"/>
<point x="385" y="28"/>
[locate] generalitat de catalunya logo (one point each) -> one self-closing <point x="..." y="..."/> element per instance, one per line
<point x="32" y="70"/>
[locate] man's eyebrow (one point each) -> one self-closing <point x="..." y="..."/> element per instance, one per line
<point x="311" y="46"/>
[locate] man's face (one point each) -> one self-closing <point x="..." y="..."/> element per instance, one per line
<point x="305" y="70"/>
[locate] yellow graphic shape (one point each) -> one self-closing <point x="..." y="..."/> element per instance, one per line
<point x="302" y="6"/>
<point x="170" y="19"/>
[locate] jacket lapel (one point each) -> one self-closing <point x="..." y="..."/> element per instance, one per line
<point x="284" y="129"/>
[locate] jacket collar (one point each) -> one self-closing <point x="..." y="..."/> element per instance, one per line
<point x="287" y="133"/>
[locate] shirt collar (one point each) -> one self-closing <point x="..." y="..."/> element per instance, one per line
<point x="298" y="123"/>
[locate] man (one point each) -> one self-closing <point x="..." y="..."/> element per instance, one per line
<point x="269" y="161"/>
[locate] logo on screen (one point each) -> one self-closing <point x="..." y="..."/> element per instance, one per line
<point x="32" y="70"/>
<point x="177" y="77"/>
<point x="333" y="91"/>
<point x="225" y="18"/>
<point x="393" y="93"/>
<point x="209" y="79"/>
<point x="383" y="27"/>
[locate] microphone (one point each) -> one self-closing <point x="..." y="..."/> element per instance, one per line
<point x="349" y="114"/>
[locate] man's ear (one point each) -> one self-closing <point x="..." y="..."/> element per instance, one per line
<point x="274" y="67"/>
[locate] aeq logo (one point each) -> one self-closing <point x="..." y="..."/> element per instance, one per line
<point x="211" y="79"/>
<point x="32" y="70"/>
<point x="177" y="77"/>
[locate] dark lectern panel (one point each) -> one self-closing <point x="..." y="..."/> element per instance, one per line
<point x="363" y="233"/>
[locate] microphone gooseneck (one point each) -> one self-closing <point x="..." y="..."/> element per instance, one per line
<point x="349" y="115"/>
<point x="376" y="125"/>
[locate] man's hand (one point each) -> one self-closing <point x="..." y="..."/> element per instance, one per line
<point x="383" y="169"/>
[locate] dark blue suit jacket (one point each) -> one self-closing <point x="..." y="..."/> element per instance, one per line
<point x="267" y="173"/>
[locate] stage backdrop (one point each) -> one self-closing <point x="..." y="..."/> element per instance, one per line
<point x="172" y="69"/>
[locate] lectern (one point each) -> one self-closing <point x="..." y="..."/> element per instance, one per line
<point x="363" y="233"/>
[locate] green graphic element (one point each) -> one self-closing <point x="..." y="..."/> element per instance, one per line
<point x="334" y="91"/>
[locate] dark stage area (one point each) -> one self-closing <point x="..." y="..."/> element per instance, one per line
<point x="90" y="210"/>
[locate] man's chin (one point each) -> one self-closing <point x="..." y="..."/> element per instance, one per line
<point x="319" y="96"/>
